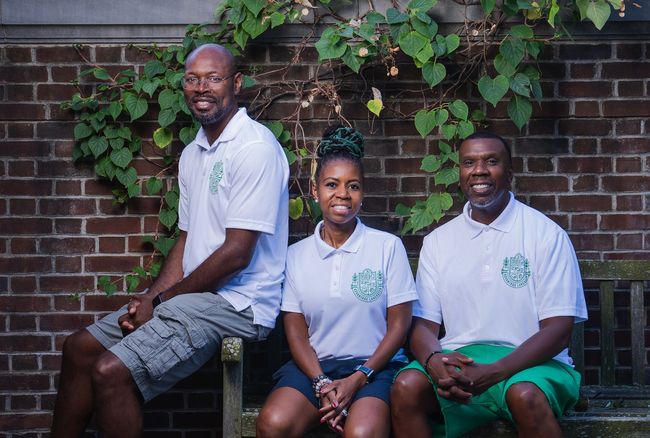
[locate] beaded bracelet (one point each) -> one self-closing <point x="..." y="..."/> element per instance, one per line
<point x="318" y="382"/>
<point x="426" y="362"/>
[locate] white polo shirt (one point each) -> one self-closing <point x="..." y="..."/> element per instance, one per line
<point x="492" y="284"/>
<point x="344" y="293"/>
<point x="239" y="181"/>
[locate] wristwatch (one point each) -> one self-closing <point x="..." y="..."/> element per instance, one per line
<point x="157" y="300"/>
<point x="369" y="372"/>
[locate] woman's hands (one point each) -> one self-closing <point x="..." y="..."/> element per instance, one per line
<point x="336" y="398"/>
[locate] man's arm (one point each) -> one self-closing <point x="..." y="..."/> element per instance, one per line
<point x="554" y="335"/>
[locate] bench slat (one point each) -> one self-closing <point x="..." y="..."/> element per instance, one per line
<point x="637" y="314"/>
<point x="637" y="270"/>
<point x="232" y="352"/>
<point x="607" y="376"/>
<point x="578" y="347"/>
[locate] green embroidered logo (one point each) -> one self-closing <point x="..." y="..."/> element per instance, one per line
<point x="515" y="271"/>
<point x="367" y="285"/>
<point x="215" y="176"/>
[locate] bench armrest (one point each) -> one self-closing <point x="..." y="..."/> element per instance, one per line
<point x="232" y="353"/>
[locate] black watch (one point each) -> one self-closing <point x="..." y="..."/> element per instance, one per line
<point x="369" y="372"/>
<point x="157" y="300"/>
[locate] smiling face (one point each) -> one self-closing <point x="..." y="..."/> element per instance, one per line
<point x="339" y="191"/>
<point x="485" y="176"/>
<point x="211" y="104"/>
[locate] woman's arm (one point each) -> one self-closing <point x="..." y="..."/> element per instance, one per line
<point x="302" y="353"/>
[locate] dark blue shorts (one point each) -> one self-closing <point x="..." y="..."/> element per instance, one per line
<point x="290" y="375"/>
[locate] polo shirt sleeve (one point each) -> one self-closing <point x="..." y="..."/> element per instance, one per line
<point x="183" y="202"/>
<point x="559" y="285"/>
<point x="257" y="185"/>
<point x="428" y="305"/>
<point x="289" y="299"/>
<point x="400" y="286"/>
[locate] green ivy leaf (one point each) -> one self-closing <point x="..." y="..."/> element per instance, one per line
<point x="255" y="6"/>
<point x="555" y="8"/>
<point x="421" y="217"/>
<point x="402" y="210"/>
<point x="439" y="45"/>
<point x="132" y="282"/>
<point x="330" y="45"/>
<point x="162" y="137"/>
<point x="459" y="109"/>
<point x="519" y="110"/>
<point x="121" y="157"/>
<point x="153" y="68"/>
<point x="164" y="245"/>
<point x="277" y="19"/>
<point x="375" y="106"/>
<point x="427" y="28"/>
<point x="447" y="176"/>
<point x="135" y="105"/>
<point x="374" y="18"/>
<point x="81" y="130"/>
<point x="168" y="217"/>
<point x="465" y="129"/>
<point x="101" y="74"/>
<point x="442" y="116"/>
<point x="448" y="131"/>
<point x="597" y="11"/>
<point x="133" y="190"/>
<point x="115" y="109"/>
<point x="247" y="81"/>
<point x="534" y="48"/>
<point x="166" y="117"/>
<point x="421" y="5"/>
<point x="488" y="6"/>
<point x="425" y="121"/>
<point x="412" y="42"/>
<point x="171" y="198"/>
<point x="150" y="87"/>
<point x="452" y="41"/>
<point x="351" y="60"/>
<point x="513" y="49"/>
<point x="522" y="31"/>
<point x="493" y="90"/>
<point x="275" y="127"/>
<point x="433" y="73"/>
<point x="296" y="207"/>
<point x="241" y="37"/>
<point x="124" y="132"/>
<point x="97" y="145"/>
<point x="520" y="84"/>
<point x="425" y="54"/>
<point x="431" y="163"/>
<point x="187" y="134"/>
<point x="106" y="285"/>
<point x="504" y="67"/>
<point x="290" y="155"/>
<point x="393" y="16"/>
<point x="126" y="177"/>
<point x="255" y="26"/>
<point x="154" y="185"/>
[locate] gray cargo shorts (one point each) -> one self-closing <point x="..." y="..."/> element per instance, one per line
<point x="184" y="333"/>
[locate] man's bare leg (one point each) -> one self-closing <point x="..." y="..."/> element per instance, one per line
<point x="117" y="399"/>
<point x="531" y="411"/>
<point x="413" y="403"/>
<point x="74" y="401"/>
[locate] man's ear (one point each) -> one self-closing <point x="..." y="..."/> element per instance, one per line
<point x="237" y="80"/>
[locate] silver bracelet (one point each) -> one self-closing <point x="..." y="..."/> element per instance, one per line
<point x="318" y="382"/>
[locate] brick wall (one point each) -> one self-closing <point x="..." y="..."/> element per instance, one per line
<point x="583" y="160"/>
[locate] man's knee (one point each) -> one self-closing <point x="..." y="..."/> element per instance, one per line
<point x="411" y="390"/>
<point x="82" y="347"/>
<point x="109" y="371"/>
<point x="528" y="403"/>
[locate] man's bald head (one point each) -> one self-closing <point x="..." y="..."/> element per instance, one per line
<point x="219" y="51"/>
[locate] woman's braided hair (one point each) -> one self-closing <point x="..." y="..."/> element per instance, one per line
<point x="340" y="143"/>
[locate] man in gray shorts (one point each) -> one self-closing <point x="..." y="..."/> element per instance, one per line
<point x="222" y="277"/>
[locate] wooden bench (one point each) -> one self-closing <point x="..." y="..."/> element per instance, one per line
<point x="606" y="409"/>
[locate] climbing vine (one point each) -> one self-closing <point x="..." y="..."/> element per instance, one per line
<point x="496" y="54"/>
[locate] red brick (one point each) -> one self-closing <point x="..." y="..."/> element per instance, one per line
<point x="25" y="264"/>
<point x="31" y="187"/>
<point x="67" y="207"/>
<point x="113" y="245"/>
<point x="55" y="130"/>
<point x="412" y="146"/>
<point x="628" y="127"/>
<point x="56" y="92"/>
<point x="20" y="93"/>
<point x="63" y="149"/>
<point x="24" y="149"/>
<point x="21" y="168"/>
<point x="625" y="70"/>
<point x="61" y="54"/>
<point x="629" y="241"/>
<point x="23" y="246"/>
<point x="585" y="146"/>
<point x="585" y="51"/>
<point x="585" y="127"/>
<point x="582" y="222"/>
<point x="533" y="184"/>
<point x="24" y="304"/>
<point x="630" y="88"/>
<point x="625" y="222"/>
<point x="23" y="284"/>
<point x="98" y="187"/>
<point x="626" y="183"/>
<point x="117" y="225"/>
<point x="400" y="128"/>
<point x="587" y="108"/>
<point x="136" y="54"/>
<point x="114" y="264"/>
<point x="626" y="108"/>
<point x="65" y="322"/>
<point x="21" y="111"/>
<point x="18" y="54"/>
<point x="21" y="343"/>
<point x="584" y="183"/>
<point x="583" y="71"/>
<point x="26" y="226"/>
<point x="585" y="165"/>
<point x="108" y="207"/>
<point x="540" y="165"/>
<point x="51" y="362"/>
<point x="67" y="226"/>
<point x="103" y="303"/>
<point x="67" y="245"/>
<point x="536" y="146"/>
<point x="110" y="54"/>
<point x="543" y="203"/>
<point x="402" y="165"/>
<point x="585" y="89"/>
<point x="67" y="264"/>
<point x="64" y="73"/>
<point x="24" y="362"/>
<point x="592" y="242"/>
<point x="23" y="402"/>
<point x="23" y="74"/>
<point x="22" y="322"/>
<point x="585" y="203"/>
<point x="629" y="51"/>
<point x="629" y="145"/>
<point x="67" y="188"/>
<point x="22" y="207"/>
<point x="142" y="206"/>
<point x="68" y="302"/>
<point x="628" y="164"/>
<point x="21" y="130"/>
<point x="629" y="203"/>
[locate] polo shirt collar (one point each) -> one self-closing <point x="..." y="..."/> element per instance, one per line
<point x="504" y="222"/>
<point x="351" y="245"/>
<point x="231" y="130"/>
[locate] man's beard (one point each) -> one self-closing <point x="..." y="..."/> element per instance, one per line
<point x="213" y="116"/>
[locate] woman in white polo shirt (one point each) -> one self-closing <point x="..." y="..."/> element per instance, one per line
<point x="347" y="308"/>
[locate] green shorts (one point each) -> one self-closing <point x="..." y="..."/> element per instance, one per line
<point x="559" y="382"/>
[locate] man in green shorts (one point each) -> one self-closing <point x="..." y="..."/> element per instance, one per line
<point x="505" y="281"/>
